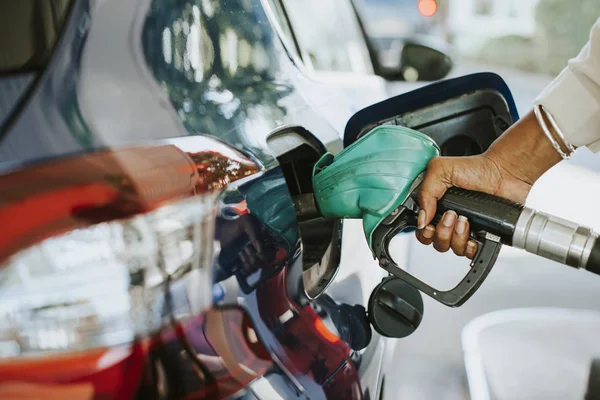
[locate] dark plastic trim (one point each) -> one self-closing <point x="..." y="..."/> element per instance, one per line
<point x="428" y="95"/>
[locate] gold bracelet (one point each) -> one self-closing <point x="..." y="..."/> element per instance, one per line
<point x="542" y="123"/>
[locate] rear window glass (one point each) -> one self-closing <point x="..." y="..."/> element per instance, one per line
<point x="29" y="30"/>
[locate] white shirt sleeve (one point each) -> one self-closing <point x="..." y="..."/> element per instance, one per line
<point x="573" y="98"/>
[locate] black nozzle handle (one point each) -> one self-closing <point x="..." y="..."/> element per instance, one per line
<point x="485" y="212"/>
<point x="536" y="232"/>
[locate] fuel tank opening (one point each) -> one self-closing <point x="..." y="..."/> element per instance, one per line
<point x="297" y="151"/>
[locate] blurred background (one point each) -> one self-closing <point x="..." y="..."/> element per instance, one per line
<point x="527" y="42"/>
<point x="530" y="35"/>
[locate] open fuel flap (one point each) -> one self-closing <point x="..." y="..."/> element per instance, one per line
<point x="463" y="115"/>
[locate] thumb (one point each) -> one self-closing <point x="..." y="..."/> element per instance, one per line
<point x="433" y="188"/>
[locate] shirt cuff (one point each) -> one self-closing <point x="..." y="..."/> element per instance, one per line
<point x="575" y="108"/>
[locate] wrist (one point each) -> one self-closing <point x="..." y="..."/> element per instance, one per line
<point x="523" y="151"/>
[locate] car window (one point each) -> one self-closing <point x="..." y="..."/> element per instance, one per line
<point x="329" y="35"/>
<point x="28" y="31"/>
<point x="284" y="24"/>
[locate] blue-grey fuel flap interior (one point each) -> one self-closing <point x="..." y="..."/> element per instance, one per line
<point x="463" y="115"/>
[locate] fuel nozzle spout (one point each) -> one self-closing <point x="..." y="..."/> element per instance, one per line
<point x="306" y="207"/>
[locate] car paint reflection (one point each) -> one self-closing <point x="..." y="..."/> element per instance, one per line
<point x="238" y="88"/>
<point x="257" y="248"/>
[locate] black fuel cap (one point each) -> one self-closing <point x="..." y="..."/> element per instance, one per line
<point x="395" y="308"/>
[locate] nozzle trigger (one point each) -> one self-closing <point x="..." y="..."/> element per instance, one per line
<point x="488" y="248"/>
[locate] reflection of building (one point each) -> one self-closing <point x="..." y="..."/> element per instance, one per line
<point x="474" y="21"/>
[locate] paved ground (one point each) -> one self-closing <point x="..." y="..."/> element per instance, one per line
<point x="430" y="363"/>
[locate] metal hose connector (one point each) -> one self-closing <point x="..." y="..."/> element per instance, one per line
<point x="554" y="238"/>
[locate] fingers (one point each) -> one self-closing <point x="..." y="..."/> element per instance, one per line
<point x="452" y="232"/>
<point x="425" y="236"/>
<point x="444" y="231"/>
<point x="460" y="236"/>
<point x="460" y="243"/>
<point x="432" y="189"/>
<point x="471" y="249"/>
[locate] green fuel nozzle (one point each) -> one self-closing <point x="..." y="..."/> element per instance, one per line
<point x="372" y="177"/>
